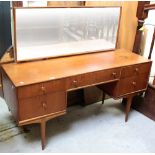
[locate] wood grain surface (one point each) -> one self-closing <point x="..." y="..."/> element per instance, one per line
<point x="46" y="70"/>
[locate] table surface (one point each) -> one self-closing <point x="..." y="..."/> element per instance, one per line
<point x="26" y="73"/>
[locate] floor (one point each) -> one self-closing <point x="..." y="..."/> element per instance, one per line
<point x="94" y="128"/>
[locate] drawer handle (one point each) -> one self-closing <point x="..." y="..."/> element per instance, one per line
<point x="134" y="84"/>
<point x="114" y="74"/>
<point x="43" y="89"/>
<point x="75" y="82"/>
<point x="44" y="105"/>
<point x="136" y="69"/>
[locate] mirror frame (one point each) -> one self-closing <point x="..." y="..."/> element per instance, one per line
<point x="42" y="58"/>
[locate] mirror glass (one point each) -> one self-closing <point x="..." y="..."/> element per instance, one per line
<point x="53" y="32"/>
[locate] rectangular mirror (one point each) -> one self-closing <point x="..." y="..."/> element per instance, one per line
<point x="53" y="32"/>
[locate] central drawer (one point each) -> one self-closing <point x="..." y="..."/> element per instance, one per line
<point x="42" y="105"/>
<point x="93" y="78"/>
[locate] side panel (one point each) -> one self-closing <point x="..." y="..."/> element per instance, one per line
<point x="9" y="91"/>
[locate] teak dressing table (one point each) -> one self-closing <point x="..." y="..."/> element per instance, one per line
<point x="36" y="92"/>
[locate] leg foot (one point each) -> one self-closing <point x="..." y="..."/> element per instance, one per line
<point x="128" y="105"/>
<point x="43" y="133"/>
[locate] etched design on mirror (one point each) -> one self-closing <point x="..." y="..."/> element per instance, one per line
<point x="51" y="32"/>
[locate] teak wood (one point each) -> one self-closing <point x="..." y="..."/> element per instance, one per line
<point x="36" y="92"/>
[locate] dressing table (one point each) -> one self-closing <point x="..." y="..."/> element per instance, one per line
<point x="36" y="92"/>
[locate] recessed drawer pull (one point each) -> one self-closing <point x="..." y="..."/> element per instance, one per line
<point x="44" y="105"/>
<point x="134" y="84"/>
<point x="114" y="74"/>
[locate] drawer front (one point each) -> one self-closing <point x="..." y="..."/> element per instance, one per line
<point x="80" y="80"/>
<point x="132" y="84"/>
<point x="93" y="78"/>
<point x="42" y="105"/>
<point x="135" y="70"/>
<point x="41" y="88"/>
<point x="107" y="75"/>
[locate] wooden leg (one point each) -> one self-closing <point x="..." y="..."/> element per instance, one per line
<point x="103" y="97"/>
<point x="43" y="133"/>
<point x="128" y="105"/>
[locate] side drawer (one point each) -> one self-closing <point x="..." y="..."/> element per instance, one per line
<point x="41" y="88"/>
<point x="132" y="84"/>
<point x="93" y="78"/>
<point x="42" y="105"/>
<point x="136" y="70"/>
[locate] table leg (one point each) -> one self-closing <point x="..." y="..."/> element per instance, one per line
<point x="128" y="105"/>
<point x="43" y="133"/>
<point x="103" y="97"/>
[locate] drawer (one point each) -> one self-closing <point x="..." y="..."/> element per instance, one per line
<point x="41" y="88"/>
<point x="80" y="80"/>
<point x="135" y="70"/>
<point x="107" y="75"/>
<point x="132" y="84"/>
<point x="93" y="78"/>
<point x="42" y="105"/>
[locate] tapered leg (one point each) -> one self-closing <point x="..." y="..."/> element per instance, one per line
<point x="103" y="97"/>
<point x="43" y="133"/>
<point x="128" y="105"/>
